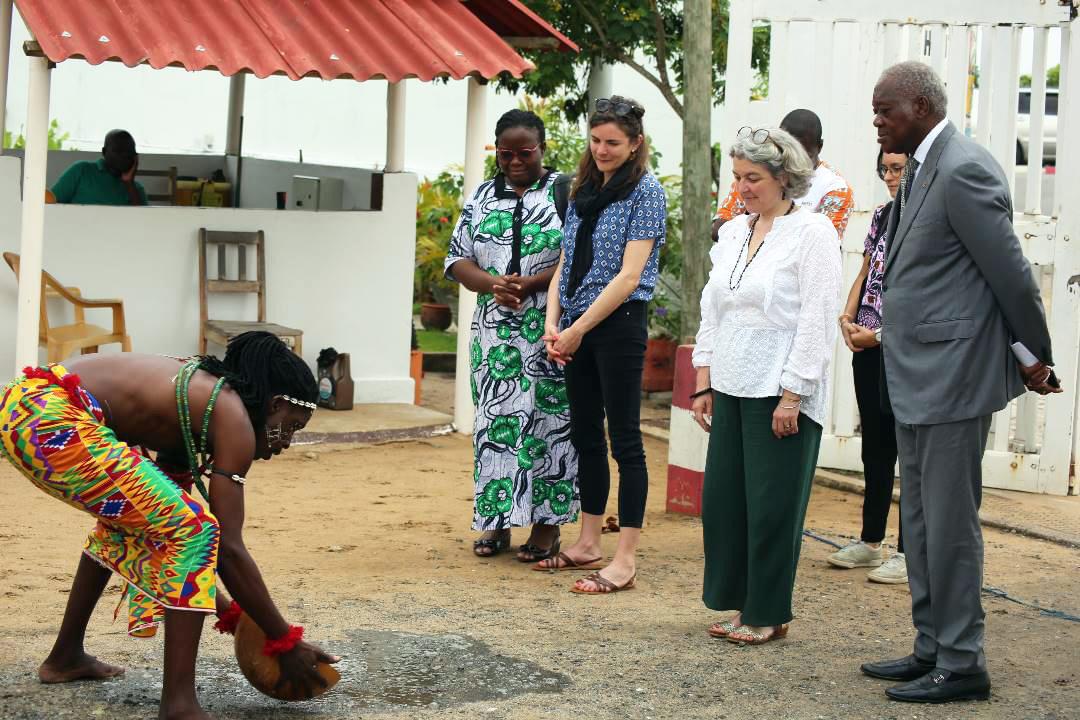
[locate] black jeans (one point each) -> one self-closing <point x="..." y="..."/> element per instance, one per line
<point x="878" y="446"/>
<point x="605" y="378"/>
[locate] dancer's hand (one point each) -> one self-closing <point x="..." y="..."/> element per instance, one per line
<point x="299" y="668"/>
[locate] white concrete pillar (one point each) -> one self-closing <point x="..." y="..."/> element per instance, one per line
<point x="475" y="133"/>
<point x="234" y="131"/>
<point x="395" y="126"/>
<point x="33" y="214"/>
<point x="5" y="52"/>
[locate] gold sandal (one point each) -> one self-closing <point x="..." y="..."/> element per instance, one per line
<point x="723" y="628"/>
<point x="743" y="635"/>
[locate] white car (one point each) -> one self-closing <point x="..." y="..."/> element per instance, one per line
<point x="1023" y="126"/>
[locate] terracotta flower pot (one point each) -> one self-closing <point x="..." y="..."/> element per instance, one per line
<point x="435" y="316"/>
<point x="659" y="375"/>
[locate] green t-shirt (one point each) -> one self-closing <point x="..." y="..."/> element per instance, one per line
<point x="89" y="183"/>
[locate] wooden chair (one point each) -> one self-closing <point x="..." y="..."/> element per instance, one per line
<point x="62" y="341"/>
<point x="221" y="331"/>
<point x="170" y="177"/>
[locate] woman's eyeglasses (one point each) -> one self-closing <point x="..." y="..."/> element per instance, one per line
<point x="616" y="107"/>
<point x="524" y="154"/>
<point x="896" y="169"/>
<point x="759" y="136"/>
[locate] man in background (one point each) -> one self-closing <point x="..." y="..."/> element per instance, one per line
<point x="108" y="181"/>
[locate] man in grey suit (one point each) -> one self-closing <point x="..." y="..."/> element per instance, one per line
<point x="960" y="306"/>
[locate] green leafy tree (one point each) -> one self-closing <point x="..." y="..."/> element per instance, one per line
<point x="620" y="32"/>
<point x="648" y="37"/>
<point x="56" y="138"/>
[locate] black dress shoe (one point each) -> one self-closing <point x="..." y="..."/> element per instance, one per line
<point x="942" y="686"/>
<point x="904" y="669"/>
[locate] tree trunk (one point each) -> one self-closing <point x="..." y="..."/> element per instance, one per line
<point x="697" y="158"/>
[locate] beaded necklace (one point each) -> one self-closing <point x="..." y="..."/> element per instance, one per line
<point x="732" y="283"/>
<point x="198" y="457"/>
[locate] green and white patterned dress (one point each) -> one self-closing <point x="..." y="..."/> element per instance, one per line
<point x="525" y="469"/>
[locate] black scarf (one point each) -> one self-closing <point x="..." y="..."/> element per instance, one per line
<point x="505" y="191"/>
<point x="589" y="202"/>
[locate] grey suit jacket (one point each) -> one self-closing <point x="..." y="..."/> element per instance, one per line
<point x="957" y="291"/>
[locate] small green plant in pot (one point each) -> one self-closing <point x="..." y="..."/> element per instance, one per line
<point x="437" y="208"/>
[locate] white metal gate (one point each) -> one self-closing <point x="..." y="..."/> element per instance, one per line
<point x="826" y="56"/>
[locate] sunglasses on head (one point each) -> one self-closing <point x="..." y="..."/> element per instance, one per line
<point x="524" y="154"/>
<point x="759" y="136"/>
<point x="616" y="107"/>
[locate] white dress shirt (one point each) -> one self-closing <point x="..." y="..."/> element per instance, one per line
<point x="924" y="147"/>
<point x="777" y="329"/>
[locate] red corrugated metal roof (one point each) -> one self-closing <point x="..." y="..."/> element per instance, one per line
<point x="359" y="39"/>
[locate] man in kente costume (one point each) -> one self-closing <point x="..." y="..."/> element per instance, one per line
<point x="82" y="433"/>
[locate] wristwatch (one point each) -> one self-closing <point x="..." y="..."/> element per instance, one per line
<point x="877" y="335"/>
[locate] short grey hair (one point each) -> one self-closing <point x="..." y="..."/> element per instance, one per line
<point x="915" y="79"/>
<point x="782" y="155"/>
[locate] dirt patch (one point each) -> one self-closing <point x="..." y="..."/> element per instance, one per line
<point x="369" y="548"/>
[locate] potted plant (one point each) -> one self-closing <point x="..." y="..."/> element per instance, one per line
<point x="664" y="326"/>
<point x="437" y="207"/>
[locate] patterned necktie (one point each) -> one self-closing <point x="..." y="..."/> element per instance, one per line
<point x="907" y="181"/>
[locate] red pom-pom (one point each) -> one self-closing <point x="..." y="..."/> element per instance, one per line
<point x="285" y="643"/>
<point x="228" y="620"/>
<point x="37" y="373"/>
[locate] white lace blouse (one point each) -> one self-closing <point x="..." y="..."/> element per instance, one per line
<point x="777" y="328"/>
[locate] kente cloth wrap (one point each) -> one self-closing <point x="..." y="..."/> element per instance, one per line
<point x="149" y="531"/>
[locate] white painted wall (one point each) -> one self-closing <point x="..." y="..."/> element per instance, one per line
<point x="262" y="179"/>
<point x="344" y="278"/>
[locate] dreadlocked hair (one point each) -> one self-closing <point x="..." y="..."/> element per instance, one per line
<point x="258" y="366"/>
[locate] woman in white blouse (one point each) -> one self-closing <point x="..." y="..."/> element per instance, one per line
<point x="762" y="358"/>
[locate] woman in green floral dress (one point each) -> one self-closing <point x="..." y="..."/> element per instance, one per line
<point x="505" y="247"/>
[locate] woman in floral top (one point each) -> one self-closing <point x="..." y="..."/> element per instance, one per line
<point x="505" y="247"/>
<point x="858" y="324"/>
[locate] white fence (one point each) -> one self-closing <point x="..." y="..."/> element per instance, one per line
<point x="827" y="56"/>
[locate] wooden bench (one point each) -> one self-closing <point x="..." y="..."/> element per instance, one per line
<point x="62" y="341"/>
<point x="221" y="331"/>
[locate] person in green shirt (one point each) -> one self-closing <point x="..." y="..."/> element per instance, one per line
<point x="108" y="181"/>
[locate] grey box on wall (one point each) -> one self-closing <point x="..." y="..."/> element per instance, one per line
<point x="317" y="193"/>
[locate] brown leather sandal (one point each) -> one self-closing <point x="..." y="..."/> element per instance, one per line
<point x="565" y="562"/>
<point x="606" y="586"/>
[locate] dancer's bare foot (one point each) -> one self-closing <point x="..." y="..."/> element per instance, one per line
<point x="86" y="667"/>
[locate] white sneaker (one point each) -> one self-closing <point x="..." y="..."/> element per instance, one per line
<point x="856" y="555"/>
<point x="892" y="572"/>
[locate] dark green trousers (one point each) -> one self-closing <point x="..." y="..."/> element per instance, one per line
<point x="752" y="508"/>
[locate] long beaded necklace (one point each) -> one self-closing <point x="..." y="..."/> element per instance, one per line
<point x="198" y="457"/>
<point x="733" y="284"/>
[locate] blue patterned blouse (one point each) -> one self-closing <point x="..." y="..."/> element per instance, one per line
<point x="641" y="216"/>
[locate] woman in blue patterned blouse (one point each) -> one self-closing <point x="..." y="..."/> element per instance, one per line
<point x="596" y="328"/>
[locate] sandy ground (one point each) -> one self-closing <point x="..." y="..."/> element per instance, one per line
<point x="369" y="547"/>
